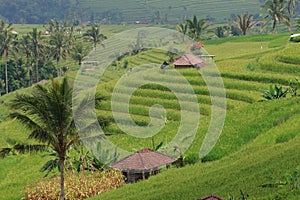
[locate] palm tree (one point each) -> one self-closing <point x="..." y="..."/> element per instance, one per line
<point x="244" y="23"/>
<point x="182" y="28"/>
<point x="26" y="49"/>
<point x="47" y="112"/>
<point x="54" y="26"/>
<point x="276" y="12"/>
<point x="95" y="35"/>
<point x="222" y="31"/>
<point x="291" y="7"/>
<point x="79" y="52"/>
<point x="61" y="48"/>
<point x="36" y="45"/>
<point x="6" y="39"/>
<point x="196" y="28"/>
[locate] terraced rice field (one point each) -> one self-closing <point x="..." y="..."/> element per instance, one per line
<point x="243" y="86"/>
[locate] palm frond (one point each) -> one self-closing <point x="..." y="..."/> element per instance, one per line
<point x="30" y="148"/>
<point x="4" y="152"/>
<point x="49" y="166"/>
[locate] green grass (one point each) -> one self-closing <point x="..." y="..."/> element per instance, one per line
<point x="18" y="171"/>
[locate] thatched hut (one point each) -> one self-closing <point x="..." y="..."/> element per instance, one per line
<point x="142" y="164"/>
<point x="210" y="197"/>
<point x="189" y="60"/>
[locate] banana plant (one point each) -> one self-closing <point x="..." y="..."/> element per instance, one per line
<point x="275" y="92"/>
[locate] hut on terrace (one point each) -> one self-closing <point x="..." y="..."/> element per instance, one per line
<point x="210" y="197"/>
<point x="189" y="60"/>
<point x="142" y="164"/>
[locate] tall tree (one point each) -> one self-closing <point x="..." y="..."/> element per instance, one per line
<point x="48" y="113"/>
<point x="36" y="45"/>
<point x="291" y="7"/>
<point x="182" y="28"/>
<point x="54" y="26"/>
<point x="244" y="23"/>
<point x="197" y="28"/>
<point x="94" y="34"/>
<point x="24" y="44"/>
<point x="276" y="12"/>
<point x="222" y="31"/>
<point x="79" y="52"/>
<point x="61" y="44"/>
<point x="6" y="39"/>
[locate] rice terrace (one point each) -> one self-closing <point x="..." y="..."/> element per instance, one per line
<point x="148" y="99"/>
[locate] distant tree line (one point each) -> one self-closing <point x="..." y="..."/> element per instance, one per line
<point x="75" y="12"/>
<point x="37" y="55"/>
<point x="275" y="12"/>
<point x="34" y="11"/>
<point x="41" y="11"/>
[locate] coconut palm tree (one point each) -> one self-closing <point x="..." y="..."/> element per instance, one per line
<point x="25" y="47"/>
<point x="276" y="12"/>
<point x="36" y="46"/>
<point x="291" y="7"/>
<point x="61" y="47"/>
<point x="94" y="34"/>
<point x="48" y="113"/>
<point x="79" y="52"/>
<point x="196" y="28"/>
<point x="244" y="23"/>
<point x="54" y="26"/>
<point x="6" y="39"/>
<point x="222" y="31"/>
<point x="182" y="28"/>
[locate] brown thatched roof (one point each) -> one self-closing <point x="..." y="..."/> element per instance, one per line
<point x="189" y="59"/>
<point x="210" y="197"/>
<point x="142" y="160"/>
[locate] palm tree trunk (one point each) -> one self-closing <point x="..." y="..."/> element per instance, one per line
<point x="6" y="73"/>
<point x="37" y="69"/>
<point x="62" y="177"/>
<point x="57" y="68"/>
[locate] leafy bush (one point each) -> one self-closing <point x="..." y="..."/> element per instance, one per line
<point x="275" y="92"/>
<point x="77" y="185"/>
<point x="191" y="158"/>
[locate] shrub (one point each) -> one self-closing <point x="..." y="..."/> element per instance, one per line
<point x="125" y="64"/>
<point x="191" y="158"/>
<point x="77" y="185"/>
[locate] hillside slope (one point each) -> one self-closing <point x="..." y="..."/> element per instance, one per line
<point x="258" y="145"/>
<point x="250" y="170"/>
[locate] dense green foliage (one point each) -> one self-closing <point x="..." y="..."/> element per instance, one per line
<point x="40" y="54"/>
<point x="35" y="11"/>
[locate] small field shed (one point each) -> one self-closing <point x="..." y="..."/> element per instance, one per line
<point x="189" y="60"/>
<point x="142" y="164"/>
